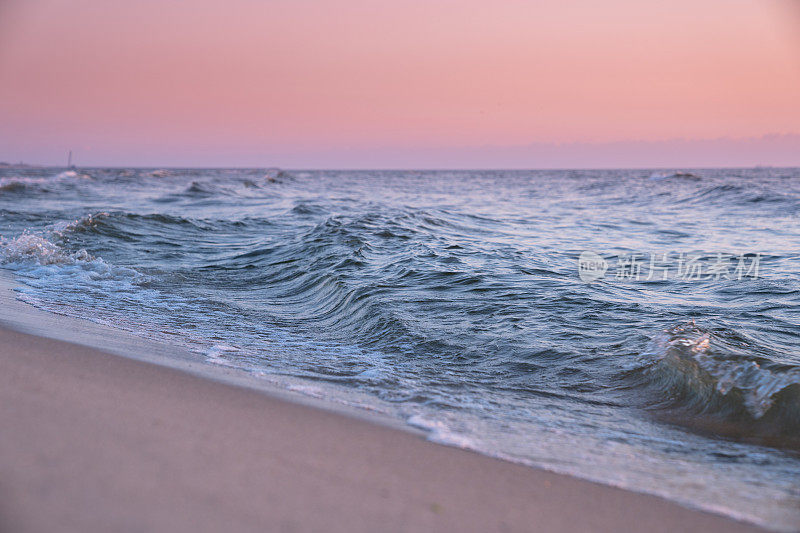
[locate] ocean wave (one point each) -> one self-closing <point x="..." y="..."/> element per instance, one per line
<point x="86" y="223"/>
<point x="228" y="186"/>
<point x="730" y="195"/>
<point x="51" y="246"/>
<point x="70" y="282"/>
<point x="720" y="382"/>
<point x="276" y="175"/>
<point x="15" y="184"/>
<point x="31" y="248"/>
<point x="133" y="226"/>
<point x="159" y="173"/>
<point x="687" y="176"/>
<point x="203" y="189"/>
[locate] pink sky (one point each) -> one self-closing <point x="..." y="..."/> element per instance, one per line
<point x="412" y="83"/>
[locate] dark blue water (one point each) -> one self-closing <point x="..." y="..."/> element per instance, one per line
<point x="454" y="301"/>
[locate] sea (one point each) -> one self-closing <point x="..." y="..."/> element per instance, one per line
<point x="640" y="328"/>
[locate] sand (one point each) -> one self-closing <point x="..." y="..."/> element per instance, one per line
<point x="96" y="442"/>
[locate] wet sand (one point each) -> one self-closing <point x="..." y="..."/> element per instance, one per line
<point x="97" y="442"/>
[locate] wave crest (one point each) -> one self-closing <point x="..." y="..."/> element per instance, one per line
<point x="28" y="248"/>
<point x="679" y="175"/>
<point x="276" y="175"/>
<point x="15" y="184"/>
<point x="719" y="382"/>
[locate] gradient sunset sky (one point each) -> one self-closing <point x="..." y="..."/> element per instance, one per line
<point x="408" y="84"/>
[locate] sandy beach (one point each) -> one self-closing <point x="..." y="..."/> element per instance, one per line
<point x="97" y="442"/>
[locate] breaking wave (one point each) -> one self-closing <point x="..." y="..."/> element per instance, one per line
<point x="16" y="184"/>
<point x="721" y="383"/>
<point x="49" y="269"/>
<point x="29" y="248"/>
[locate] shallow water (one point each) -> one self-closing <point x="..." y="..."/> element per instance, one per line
<point x="454" y="301"/>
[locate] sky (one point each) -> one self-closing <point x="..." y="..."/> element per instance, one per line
<point x="401" y="84"/>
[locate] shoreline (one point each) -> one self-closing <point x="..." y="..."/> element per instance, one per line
<point x="156" y="440"/>
<point x="26" y="318"/>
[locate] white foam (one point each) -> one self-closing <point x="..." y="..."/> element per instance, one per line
<point x="216" y="354"/>
<point x="30" y="248"/>
<point x="11" y="183"/>
<point x="438" y="432"/>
